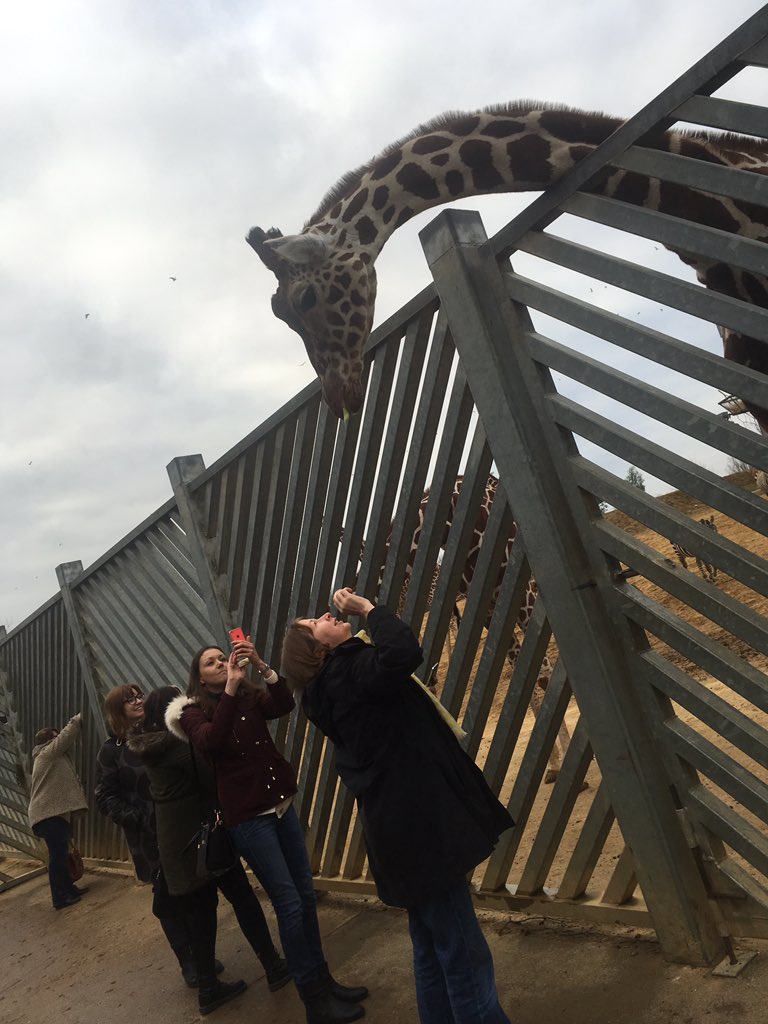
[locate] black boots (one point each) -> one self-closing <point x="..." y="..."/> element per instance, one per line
<point x="276" y="969"/>
<point x="214" y="993"/>
<point x="324" y="1008"/>
<point x="189" y="967"/>
<point x="347" y="993"/>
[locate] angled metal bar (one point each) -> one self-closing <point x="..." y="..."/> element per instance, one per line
<point x="456" y="547"/>
<point x="590" y="844"/>
<point x="485" y="579"/>
<point x="732" y="615"/>
<point x="528" y="779"/>
<point x="714" y="491"/>
<point x="558" y="812"/>
<point x="65" y="574"/>
<point x="643" y="341"/>
<point x="733" y="725"/>
<point x="623" y="881"/>
<point x="726" y="773"/>
<point x="182" y="471"/>
<point x="729" y="115"/>
<point x="673" y="232"/>
<point x="425" y="426"/>
<point x="496" y="649"/>
<point x="726" y="824"/>
<point x="745" y="186"/>
<point x="697" y="647"/>
<point x="721" y="310"/>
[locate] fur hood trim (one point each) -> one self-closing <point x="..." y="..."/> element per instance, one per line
<point x="150" y="747"/>
<point x="174" y="712"/>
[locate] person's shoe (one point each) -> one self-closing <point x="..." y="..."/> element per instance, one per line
<point x="81" y="890"/>
<point x="276" y="970"/>
<point x="68" y="901"/>
<point x="347" y="993"/>
<point x="189" y="971"/>
<point x="323" y="1008"/>
<point x="213" y="995"/>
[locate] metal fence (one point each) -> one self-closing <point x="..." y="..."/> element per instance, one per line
<point x="658" y="671"/>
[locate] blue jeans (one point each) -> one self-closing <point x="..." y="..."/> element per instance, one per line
<point x="56" y="832"/>
<point x="274" y="850"/>
<point x="452" y="962"/>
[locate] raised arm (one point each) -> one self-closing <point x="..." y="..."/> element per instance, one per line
<point x="65" y="740"/>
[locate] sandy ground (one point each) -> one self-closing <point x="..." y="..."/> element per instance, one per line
<point x="105" y="960"/>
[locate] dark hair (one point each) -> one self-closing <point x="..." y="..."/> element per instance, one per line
<point x="196" y="689"/>
<point x="114" y="709"/>
<point x="45" y="735"/>
<point x="155" y="707"/>
<point x="302" y="656"/>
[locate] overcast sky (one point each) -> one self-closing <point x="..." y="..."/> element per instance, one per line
<point x="140" y="141"/>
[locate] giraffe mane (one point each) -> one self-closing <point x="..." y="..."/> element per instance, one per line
<point x="351" y="179"/>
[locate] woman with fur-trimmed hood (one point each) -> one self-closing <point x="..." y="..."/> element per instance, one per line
<point x="183" y="792"/>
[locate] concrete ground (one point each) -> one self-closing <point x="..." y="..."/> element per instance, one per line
<point x="105" y="961"/>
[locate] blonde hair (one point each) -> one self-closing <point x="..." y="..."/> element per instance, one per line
<point x="302" y="655"/>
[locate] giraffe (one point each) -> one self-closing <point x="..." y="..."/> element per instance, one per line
<point x="526" y="608"/>
<point x="707" y="570"/>
<point x="326" y="275"/>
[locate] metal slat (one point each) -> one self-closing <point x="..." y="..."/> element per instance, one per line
<point x="742" y="837"/>
<point x="683" y="475"/>
<point x="484" y="582"/>
<point x="674" y="412"/>
<point x="734" y="726"/>
<point x="744" y="186"/>
<point x="592" y="838"/>
<point x="721" y="310"/>
<point x="726" y="773"/>
<point x="731" y="614"/>
<point x="728" y="115"/>
<point x="558" y="812"/>
<point x="674" y="233"/>
<point x="528" y="778"/>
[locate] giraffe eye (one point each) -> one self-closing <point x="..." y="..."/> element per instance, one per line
<point x="306" y="299"/>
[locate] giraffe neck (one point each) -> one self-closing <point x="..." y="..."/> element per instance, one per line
<point x="505" y="149"/>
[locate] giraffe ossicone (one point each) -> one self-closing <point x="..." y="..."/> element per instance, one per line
<point x="326" y="276"/>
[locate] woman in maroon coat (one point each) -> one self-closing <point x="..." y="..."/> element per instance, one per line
<point x="226" y="719"/>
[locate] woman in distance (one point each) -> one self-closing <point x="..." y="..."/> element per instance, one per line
<point x="56" y="796"/>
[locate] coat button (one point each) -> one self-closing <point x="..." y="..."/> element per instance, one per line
<point x="242" y="718"/>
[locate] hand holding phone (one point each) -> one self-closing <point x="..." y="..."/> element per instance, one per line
<point x="237" y="636"/>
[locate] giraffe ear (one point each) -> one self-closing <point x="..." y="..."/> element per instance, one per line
<point x="304" y="249"/>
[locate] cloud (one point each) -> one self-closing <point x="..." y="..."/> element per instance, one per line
<point x="141" y="141"/>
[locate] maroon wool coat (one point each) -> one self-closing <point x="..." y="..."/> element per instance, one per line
<point x="251" y="774"/>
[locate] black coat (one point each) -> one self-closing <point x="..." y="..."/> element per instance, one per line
<point x="122" y="794"/>
<point x="184" y="796"/>
<point x="427" y="813"/>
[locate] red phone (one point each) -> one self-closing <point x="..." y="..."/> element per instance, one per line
<point x="237" y="636"/>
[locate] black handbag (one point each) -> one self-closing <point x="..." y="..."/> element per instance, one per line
<point x="215" y="852"/>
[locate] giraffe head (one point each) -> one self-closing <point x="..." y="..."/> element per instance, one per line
<point x="326" y="293"/>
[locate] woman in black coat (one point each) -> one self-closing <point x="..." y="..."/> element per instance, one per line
<point x="122" y="794"/>
<point x="183" y="792"/>
<point x="427" y="813"/>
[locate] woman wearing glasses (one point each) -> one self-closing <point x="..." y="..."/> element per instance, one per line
<point x="123" y="794"/>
